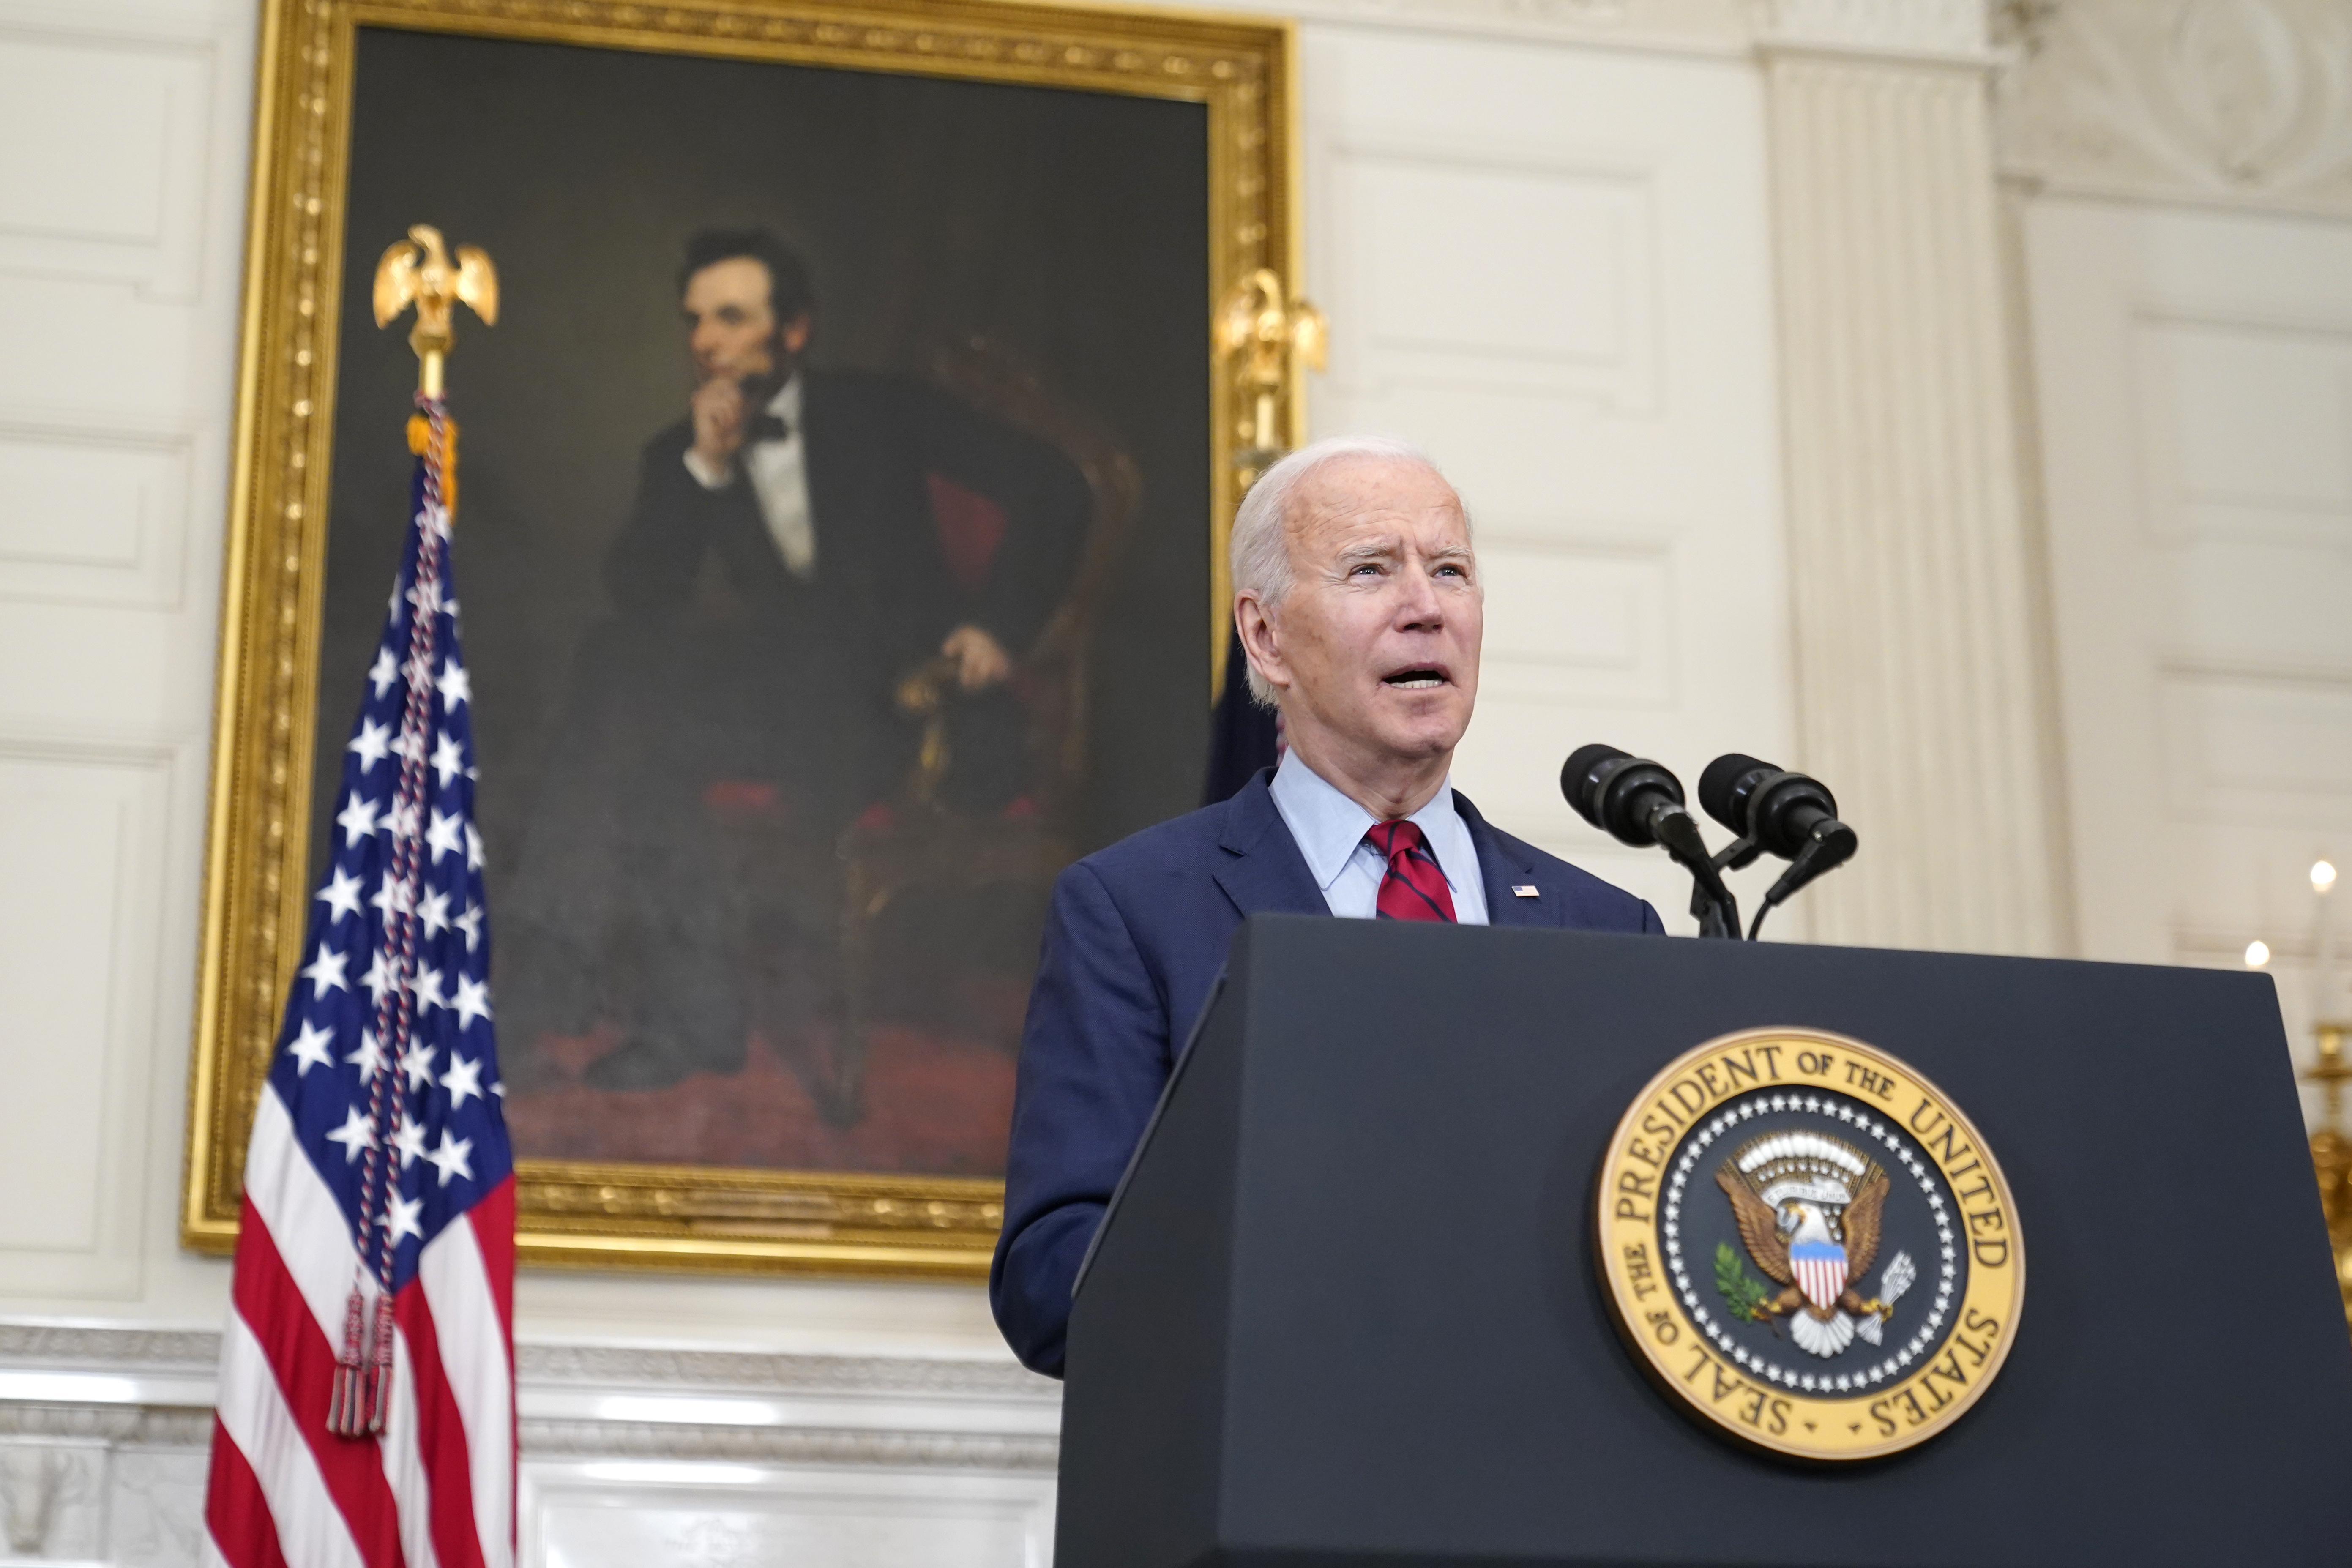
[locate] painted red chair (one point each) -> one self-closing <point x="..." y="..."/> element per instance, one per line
<point x="917" y="844"/>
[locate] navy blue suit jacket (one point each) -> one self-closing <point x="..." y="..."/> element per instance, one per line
<point x="1135" y="938"/>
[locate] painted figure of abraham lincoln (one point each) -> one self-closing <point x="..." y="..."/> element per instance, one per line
<point x="830" y="550"/>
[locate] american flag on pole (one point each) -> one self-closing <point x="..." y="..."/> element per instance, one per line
<point x="366" y="1409"/>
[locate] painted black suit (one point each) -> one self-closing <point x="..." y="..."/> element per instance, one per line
<point x="725" y="684"/>
<point x="883" y="594"/>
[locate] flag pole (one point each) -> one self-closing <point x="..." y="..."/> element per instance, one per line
<point x="416" y="270"/>
<point x="380" y="1154"/>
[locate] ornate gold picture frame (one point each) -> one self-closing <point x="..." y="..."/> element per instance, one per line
<point x="300" y="276"/>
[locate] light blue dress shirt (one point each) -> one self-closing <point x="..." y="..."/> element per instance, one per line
<point x="1329" y="829"/>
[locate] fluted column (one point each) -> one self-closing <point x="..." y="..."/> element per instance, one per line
<point x="1921" y="690"/>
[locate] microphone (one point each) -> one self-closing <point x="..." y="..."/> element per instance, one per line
<point x="1637" y="802"/>
<point x="1622" y="794"/>
<point x="1784" y="813"/>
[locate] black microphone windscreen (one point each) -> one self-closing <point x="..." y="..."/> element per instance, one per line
<point x="1576" y="778"/>
<point x="1722" y="776"/>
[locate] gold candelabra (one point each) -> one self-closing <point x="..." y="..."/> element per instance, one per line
<point x="1267" y="336"/>
<point x="1266" y="339"/>
<point x="2331" y="1151"/>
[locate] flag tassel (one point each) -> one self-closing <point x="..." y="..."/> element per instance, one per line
<point x="345" y="1405"/>
<point x="379" y="1368"/>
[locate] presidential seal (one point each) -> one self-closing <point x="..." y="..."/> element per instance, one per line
<point x="1808" y="1245"/>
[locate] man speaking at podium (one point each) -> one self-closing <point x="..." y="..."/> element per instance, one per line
<point x="1359" y="603"/>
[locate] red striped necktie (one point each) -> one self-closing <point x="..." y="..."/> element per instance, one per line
<point x="1413" y="887"/>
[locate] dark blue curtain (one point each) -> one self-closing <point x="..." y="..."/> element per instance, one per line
<point x="1242" y="736"/>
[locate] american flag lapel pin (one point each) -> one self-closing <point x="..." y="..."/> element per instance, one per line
<point x="1525" y="891"/>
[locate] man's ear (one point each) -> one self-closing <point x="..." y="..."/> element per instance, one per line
<point x="795" y="333"/>
<point x="1259" y="640"/>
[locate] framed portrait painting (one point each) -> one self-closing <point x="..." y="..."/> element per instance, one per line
<point x="842" y="495"/>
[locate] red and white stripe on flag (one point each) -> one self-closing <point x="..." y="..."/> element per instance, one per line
<point x="436" y="1488"/>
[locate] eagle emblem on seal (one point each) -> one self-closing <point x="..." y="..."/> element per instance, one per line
<point x="1809" y="1208"/>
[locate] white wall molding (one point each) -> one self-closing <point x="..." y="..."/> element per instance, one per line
<point x="789" y="1444"/>
<point x="1940" y="31"/>
<point x="159" y="22"/>
<point x="1950" y="32"/>
<point x="129" y="205"/>
<point x="1715" y="28"/>
<point x="97" y="512"/>
<point x="1563" y="248"/>
<point x="144" y="1425"/>
<point x="624" y="1366"/>
<point x="1582" y="616"/>
<point x="83" y="820"/>
<point x="84" y="1346"/>
<point x="624" y="1387"/>
<point x="2243" y="103"/>
<point x="103" y="1435"/>
<point x="860" y="1459"/>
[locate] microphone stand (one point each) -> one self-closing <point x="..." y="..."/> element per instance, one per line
<point x="1712" y="903"/>
<point x="1639" y="803"/>
<point x="1819" y="855"/>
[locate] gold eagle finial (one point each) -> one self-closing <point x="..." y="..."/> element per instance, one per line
<point x="416" y="270"/>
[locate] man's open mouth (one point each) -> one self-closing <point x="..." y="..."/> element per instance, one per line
<point x="1421" y="680"/>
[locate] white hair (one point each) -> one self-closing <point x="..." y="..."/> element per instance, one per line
<point x="1260" y="548"/>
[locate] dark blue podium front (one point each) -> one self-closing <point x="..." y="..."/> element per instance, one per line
<point x="1344" y="1308"/>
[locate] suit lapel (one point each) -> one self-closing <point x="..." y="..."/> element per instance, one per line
<point x="1502" y="868"/>
<point x="1264" y="873"/>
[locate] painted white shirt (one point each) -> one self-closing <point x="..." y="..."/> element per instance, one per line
<point x="778" y="471"/>
<point x="1329" y="829"/>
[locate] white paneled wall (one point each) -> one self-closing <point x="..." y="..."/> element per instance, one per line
<point x="85" y="825"/>
<point x="2196" y="384"/>
<point x="1488" y="269"/>
<point x="97" y="516"/>
<point x="2186" y="186"/>
<point x="121" y="186"/>
<point x="105" y="134"/>
<point x="1549" y="266"/>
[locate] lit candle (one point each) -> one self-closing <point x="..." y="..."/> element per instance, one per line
<point x="2323" y="1000"/>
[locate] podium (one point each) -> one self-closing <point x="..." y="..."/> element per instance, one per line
<point x="1344" y="1308"/>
